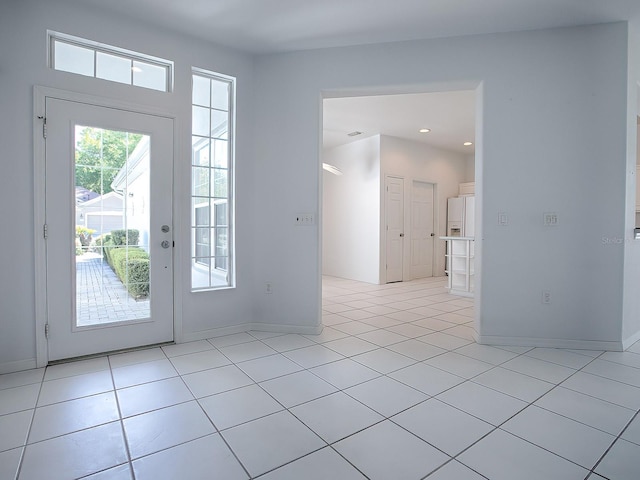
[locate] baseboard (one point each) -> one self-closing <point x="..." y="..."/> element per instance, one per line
<point x="548" y="343"/>
<point x="626" y="343"/>
<point x="245" y="327"/>
<point x="11" y="367"/>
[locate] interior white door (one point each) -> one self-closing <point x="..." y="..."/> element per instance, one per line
<point x="422" y="230"/>
<point x="114" y="167"/>
<point x="395" y="228"/>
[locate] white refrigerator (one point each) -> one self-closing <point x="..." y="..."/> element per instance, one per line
<point x="461" y="216"/>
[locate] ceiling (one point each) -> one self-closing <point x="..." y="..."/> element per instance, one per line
<point x="449" y="115"/>
<point x="271" y="26"/>
<point x="267" y="26"/>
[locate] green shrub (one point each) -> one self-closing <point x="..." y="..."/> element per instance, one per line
<point x="119" y="237"/>
<point x="131" y="265"/>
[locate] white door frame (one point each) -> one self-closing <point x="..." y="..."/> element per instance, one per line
<point x="40" y="94"/>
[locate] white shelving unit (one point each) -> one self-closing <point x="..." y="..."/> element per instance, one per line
<point x="460" y="265"/>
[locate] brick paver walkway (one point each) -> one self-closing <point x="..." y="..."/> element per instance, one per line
<point x="100" y="295"/>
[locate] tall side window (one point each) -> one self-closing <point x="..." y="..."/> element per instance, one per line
<point x="212" y="252"/>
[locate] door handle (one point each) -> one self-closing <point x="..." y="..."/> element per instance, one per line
<point x="433" y="234"/>
<point x="165" y="244"/>
<point x="402" y="234"/>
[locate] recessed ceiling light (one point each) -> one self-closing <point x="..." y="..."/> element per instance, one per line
<point x="424" y="130"/>
<point x="467" y="144"/>
<point x="354" y="134"/>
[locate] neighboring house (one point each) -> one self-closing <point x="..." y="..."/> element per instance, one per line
<point x="102" y="213"/>
<point x="132" y="184"/>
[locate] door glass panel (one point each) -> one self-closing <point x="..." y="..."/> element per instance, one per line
<point x="111" y="226"/>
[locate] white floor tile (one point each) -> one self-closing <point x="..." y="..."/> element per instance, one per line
<point x="482" y="402"/>
<point x="152" y="396"/>
<point x="16" y="399"/>
<point x="561" y="357"/>
<point x="186" y="348"/>
<point x="466" y="332"/>
<point x="216" y="380"/>
<point x="297" y="388"/>
<point x="266" y="368"/>
<point x="271" y="441"/>
<point x="321" y="465"/>
<point x="78" y="386"/>
<point x="443" y="426"/>
<point x="459" y="365"/>
<point x="386" y="395"/>
<point x="605" y="416"/>
<point x="336" y="416"/>
<point x="382" y="337"/>
<point x="344" y="373"/>
<point x="486" y="353"/>
<point x="9" y="462"/>
<point x="455" y="471"/>
<point x="328" y="334"/>
<point x="416" y="349"/>
<point x="513" y="383"/>
<point x="164" y="428"/>
<point x="261" y="335"/>
<point x="426" y="311"/>
<point x="614" y="371"/>
<point x="605" y="389"/>
<point x="355" y="328"/>
<point x="207" y="457"/>
<point x="138" y="356"/>
<point x="350" y="346"/>
<point x="443" y="340"/>
<point x="247" y="351"/>
<point x="285" y="343"/>
<point x="198" y="361"/>
<point x="233" y="339"/>
<point x="19" y="379"/>
<point x="621" y="463"/>
<point x="121" y="472"/>
<point x="139" y="373"/>
<point x="502" y="456"/>
<point x="549" y="372"/>
<point x="73" y="415"/>
<point x="632" y="432"/>
<point x="409" y="330"/>
<point x="453" y="317"/>
<point x="75" y="455"/>
<point x="76" y="368"/>
<point x="433" y="324"/>
<point x="569" y="439"/>
<point x="427" y="379"/>
<point x="386" y="451"/>
<point x="381" y="321"/>
<point x="383" y="360"/>
<point x="356" y="314"/>
<point x="14" y="428"/>
<point x="625" y="358"/>
<point x="241" y="405"/>
<point x="309" y="357"/>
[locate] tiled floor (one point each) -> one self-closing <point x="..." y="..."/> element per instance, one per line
<point x="393" y="388"/>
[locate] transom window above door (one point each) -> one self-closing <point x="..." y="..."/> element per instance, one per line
<point x="92" y="59"/>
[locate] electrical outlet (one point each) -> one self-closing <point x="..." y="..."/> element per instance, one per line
<point x="550" y="219"/>
<point x="546" y="297"/>
<point x="268" y="288"/>
<point x="305" y="219"/>
<point x="503" y="219"/>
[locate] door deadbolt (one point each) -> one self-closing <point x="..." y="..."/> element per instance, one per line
<point x="165" y="228"/>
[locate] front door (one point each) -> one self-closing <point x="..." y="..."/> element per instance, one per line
<point x="109" y="232"/>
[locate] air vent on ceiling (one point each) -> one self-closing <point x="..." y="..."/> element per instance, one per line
<point x="354" y="134"/>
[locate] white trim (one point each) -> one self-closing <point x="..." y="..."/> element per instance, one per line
<point x="627" y="342"/>
<point x="19" y="366"/>
<point x="548" y="342"/>
<point x="40" y="94"/>
<point x="246" y="327"/>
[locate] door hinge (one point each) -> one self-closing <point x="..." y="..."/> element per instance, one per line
<point x="45" y="231"/>
<point x="44" y="126"/>
<point x="46" y="330"/>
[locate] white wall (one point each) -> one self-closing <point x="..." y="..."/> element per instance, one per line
<point x="351" y="211"/>
<point x="470" y="173"/>
<point x="542" y="94"/>
<point x="417" y="161"/>
<point x="23" y="54"/>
